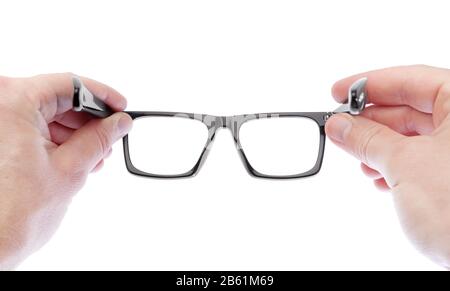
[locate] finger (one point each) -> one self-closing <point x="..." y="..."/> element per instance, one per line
<point x="101" y="164"/>
<point x="109" y="95"/>
<point x="370" y="142"/>
<point x="53" y="94"/>
<point x="369" y="172"/>
<point x="59" y="133"/>
<point x="73" y="119"/>
<point x="98" y="167"/>
<point x="416" y="86"/>
<point x="89" y="144"/>
<point x="108" y="154"/>
<point x="403" y="119"/>
<point x="442" y="106"/>
<point x="381" y="184"/>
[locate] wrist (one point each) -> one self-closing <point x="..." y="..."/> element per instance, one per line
<point x="8" y="256"/>
<point x="12" y="248"/>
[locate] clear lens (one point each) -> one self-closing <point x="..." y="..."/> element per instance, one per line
<point x="166" y="145"/>
<point x="281" y="146"/>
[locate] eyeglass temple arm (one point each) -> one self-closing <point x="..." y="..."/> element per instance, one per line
<point x="84" y="100"/>
<point x="357" y="98"/>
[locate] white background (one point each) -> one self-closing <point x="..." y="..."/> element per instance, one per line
<point x="225" y="57"/>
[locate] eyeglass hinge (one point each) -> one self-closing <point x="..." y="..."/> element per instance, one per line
<point x="328" y="115"/>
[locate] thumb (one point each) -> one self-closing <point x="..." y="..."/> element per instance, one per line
<point x="369" y="141"/>
<point x="88" y="145"/>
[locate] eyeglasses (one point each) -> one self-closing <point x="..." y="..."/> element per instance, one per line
<point x="278" y="145"/>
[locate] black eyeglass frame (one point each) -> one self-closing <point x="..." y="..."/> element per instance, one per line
<point x="233" y="123"/>
<point x="85" y="101"/>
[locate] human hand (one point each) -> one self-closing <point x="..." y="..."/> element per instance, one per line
<point x="403" y="142"/>
<point x="46" y="153"/>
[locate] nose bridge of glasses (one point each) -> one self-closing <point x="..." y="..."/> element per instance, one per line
<point x="229" y="122"/>
<point x="223" y="122"/>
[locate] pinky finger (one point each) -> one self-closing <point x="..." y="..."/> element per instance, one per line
<point x="369" y="172"/>
<point x="59" y="133"/>
<point x="98" y="167"/>
<point x="108" y="154"/>
<point x="381" y="184"/>
<point x="100" y="164"/>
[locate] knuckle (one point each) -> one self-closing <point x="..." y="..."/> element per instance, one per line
<point x="408" y="115"/>
<point x="69" y="166"/>
<point x="442" y="102"/>
<point x="444" y="90"/>
<point x="104" y="139"/>
<point x="71" y="170"/>
<point x="365" y="145"/>
<point x="35" y="91"/>
<point x="444" y="93"/>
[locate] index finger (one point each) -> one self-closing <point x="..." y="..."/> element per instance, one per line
<point x="55" y="94"/>
<point x="416" y="86"/>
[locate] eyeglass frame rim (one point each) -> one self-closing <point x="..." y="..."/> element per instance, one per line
<point x="85" y="101"/>
<point x="233" y="123"/>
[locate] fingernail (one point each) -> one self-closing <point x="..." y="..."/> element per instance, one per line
<point x="124" y="124"/>
<point x="339" y="127"/>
